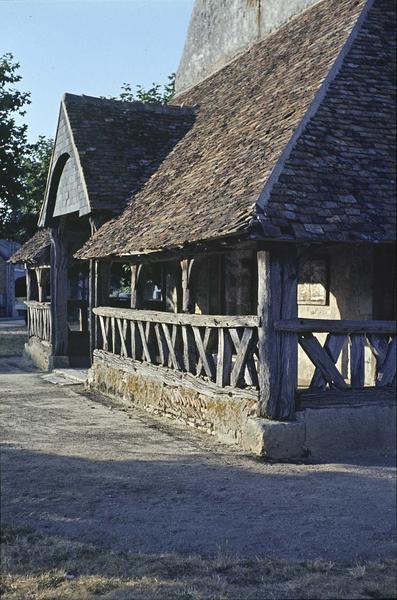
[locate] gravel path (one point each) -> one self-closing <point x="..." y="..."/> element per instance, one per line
<point x="79" y="466"/>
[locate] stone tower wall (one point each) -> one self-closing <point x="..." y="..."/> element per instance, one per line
<point x="219" y="30"/>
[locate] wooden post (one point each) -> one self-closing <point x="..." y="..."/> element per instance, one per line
<point x="59" y="291"/>
<point x="135" y="273"/>
<point x="186" y="266"/>
<point x="100" y="272"/>
<point x="278" y="351"/>
<point x="41" y="276"/>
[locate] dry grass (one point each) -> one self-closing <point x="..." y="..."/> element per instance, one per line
<point x="12" y="341"/>
<point x="37" y="567"/>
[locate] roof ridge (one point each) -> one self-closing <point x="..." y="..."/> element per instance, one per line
<point x="136" y="106"/>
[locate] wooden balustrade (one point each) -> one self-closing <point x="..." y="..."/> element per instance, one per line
<point x="221" y="348"/>
<point x="39" y="320"/>
<point x="380" y="336"/>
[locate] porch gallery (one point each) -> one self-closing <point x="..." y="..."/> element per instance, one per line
<point x="233" y="267"/>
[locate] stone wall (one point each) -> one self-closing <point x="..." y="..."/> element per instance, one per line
<point x="221" y="29"/>
<point x="181" y="396"/>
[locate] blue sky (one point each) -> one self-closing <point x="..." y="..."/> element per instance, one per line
<point x="89" y="47"/>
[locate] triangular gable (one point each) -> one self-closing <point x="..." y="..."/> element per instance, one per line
<point x="66" y="191"/>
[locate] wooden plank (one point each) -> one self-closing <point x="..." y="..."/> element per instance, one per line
<point x="162" y="344"/>
<point x="239" y="364"/>
<point x="189" y="353"/>
<point x="224" y="362"/>
<point x="186" y="268"/>
<point x="122" y="327"/>
<point x="104" y="331"/>
<point x="387" y="373"/>
<point x="206" y="339"/>
<point x="171" y="350"/>
<point x="357" y="360"/>
<point x="335" y="326"/>
<point x="379" y="345"/>
<point x="146" y="350"/>
<point x="333" y="346"/>
<point x="113" y="331"/>
<point x="179" y="318"/>
<point x="332" y="397"/>
<point x="321" y="359"/>
<point x="135" y="273"/>
<point x="206" y="359"/>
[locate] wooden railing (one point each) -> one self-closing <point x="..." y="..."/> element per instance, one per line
<point x="380" y="336"/>
<point x="220" y="348"/>
<point x="39" y="320"/>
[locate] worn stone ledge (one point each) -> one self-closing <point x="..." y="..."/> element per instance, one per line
<point x="39" y="353"/>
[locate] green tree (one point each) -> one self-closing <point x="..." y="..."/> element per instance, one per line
<point x="35" y="167"/>
<point x="12" y="143"/>
<point x="156" y="94"/>
<point x="23" y="166"/>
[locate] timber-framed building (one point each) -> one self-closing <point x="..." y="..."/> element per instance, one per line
<point x="261" y="243"/>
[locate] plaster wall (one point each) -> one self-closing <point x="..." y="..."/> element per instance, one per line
<point x="219" y="30"/>
<point x="350" y="297"/>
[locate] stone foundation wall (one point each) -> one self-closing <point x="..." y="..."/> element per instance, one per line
<point x="39" y="353"/>
<point x="177" y="395"/>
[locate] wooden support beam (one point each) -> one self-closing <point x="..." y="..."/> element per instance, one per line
<point x="278" y="352"/>
<point x="41" y="277"/>
<point x="135" y="273"/>
<point x="59" y="290"/>
<point x="99" y="288"/>
<point x="186" y="267"/>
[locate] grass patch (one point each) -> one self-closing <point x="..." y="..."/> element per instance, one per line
<point x="12" y="341"/>
<point x="41" y="567"/>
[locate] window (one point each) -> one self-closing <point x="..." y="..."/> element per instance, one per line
<point x="313" y="282"/>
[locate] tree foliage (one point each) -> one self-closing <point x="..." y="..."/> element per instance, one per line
<point x="157" y="94"/>
<point x="23" y="166"/>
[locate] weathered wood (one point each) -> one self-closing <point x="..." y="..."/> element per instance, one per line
<point x="332" y="397"/>
<point x="104" y="329"/>
<point x="122" y="327"/>
<point x="357" y="360"/>
<point x="241" y="357"/>
<point x="179" y="318"/>
<point x="186" y="268"/>
<point x="333" y="346"/>
<point x="173" y="377"/>
<point x="162" y="344"/>
<point x="278" y="358"/>
<point x="206" y="359"/>
<point x="135" y="273"/>
<point x="224" y="362"/>
<point x="171" y="350"/>
<point x="189" y="353"/>
<point x="321" y="359"/>
<point x="335" y="326"/>
<point x="379" y="345"/>
<point x="146" y="350"/>
<point x="207" y="334"/>
<point x="387" y="373"/>
<point x="59" y="290"/>
<point x="41" y="278"/>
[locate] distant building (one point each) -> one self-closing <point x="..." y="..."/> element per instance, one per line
<point x="11" y="275"/>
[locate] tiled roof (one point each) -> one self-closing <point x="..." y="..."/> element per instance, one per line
<point x="339" y="181"/>
<point x="120" y="144"/>
<point x="247" y="113"/>
<point x="36" y="251"/>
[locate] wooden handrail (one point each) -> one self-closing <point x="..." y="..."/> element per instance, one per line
<point x="153" y="316"/>
<point x="37" y="304"/>
<point x="336" y="326"/>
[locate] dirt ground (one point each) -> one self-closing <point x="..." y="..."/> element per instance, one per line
<point x="81" y="469"/>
